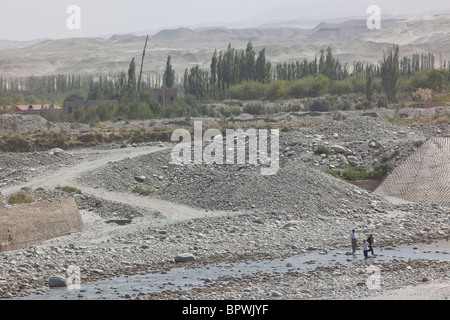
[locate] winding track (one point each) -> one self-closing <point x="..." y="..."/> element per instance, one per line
<point x="68" y="176"/>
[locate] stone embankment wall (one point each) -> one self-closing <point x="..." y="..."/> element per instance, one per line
<point x="424" y="176"/>
<point x="26" y="225"/>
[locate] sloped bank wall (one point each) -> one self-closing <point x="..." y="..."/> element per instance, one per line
<point x="424" y="176"/>
<point x="26" y="225"/>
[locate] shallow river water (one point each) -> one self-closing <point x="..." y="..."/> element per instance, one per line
<point x="185" y="279"/>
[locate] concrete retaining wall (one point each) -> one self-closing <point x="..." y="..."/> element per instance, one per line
<point x="424" y="176"/>
<point x="26" y="225"/>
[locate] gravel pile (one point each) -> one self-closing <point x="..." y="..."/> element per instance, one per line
<point x="21" y="124"/>
<point x="301" y="185"/>
<point x="17" y="168"/>
<point x="108" y="210"/>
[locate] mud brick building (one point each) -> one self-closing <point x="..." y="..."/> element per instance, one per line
<point x="165" y="96"/>
<point x="71" y="106"/>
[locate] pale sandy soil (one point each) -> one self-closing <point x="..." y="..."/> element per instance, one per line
<point x="431" y="291"/>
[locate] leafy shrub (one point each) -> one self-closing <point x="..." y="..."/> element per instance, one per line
<point x="20" y="198"/>
<point x="249" y="90"/>
<point x="146" y="136"/>
<point x="90" y="138"/>
<point x="277" y="89"/>
<point x="295" y="108"/>
<point x="379" y="171"/>
<point x="340" y="87"/>
<point x="419" y="80"/>
<point x="69" y="189"/>
<point x="272" y="110"/>
<point x="319" y="86"/>
<point x="16" y="144"/>
<point x="334" y="173"/>
<point x="344" y="105"/>
<point x="363" y="105"/>
<point x="361" y="172"/>
<point x="357" y="173"/>
<point x="106" y="111"/>
<point x="75" y="95"/>
<point x="386" y="158"/>
<point x="142" y="191"/>
<point x="235" y="111"/>
<point x="319" y="105"/>
<point x="87" y="138"/>
<point x="321" y="149"/>
<point x="285" y="128"/>
<point x="226" y="112"/>
<point x="358" y="83"/>
<point x="382" y="102"/>
<point x="142" y="111"/>
<point x="422" y="95"/>
<point x="308" y="87"/>
<point x="298" y="88"/>
<point x="254" y="108"/>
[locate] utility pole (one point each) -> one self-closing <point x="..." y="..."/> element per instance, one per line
<point x="140" y="74"/>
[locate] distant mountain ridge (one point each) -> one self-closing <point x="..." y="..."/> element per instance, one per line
<point x="351" y="41"/>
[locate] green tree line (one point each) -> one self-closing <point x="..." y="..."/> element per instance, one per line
<point x="242" y="74"/>
<point x="227" y="68"/>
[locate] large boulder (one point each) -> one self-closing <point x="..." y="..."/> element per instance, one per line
<point x="57" y="282"/>
<point x="338" y="148"/>
<point x="140" y="178"/>
<point x="353" y="161"/>
<point x="184" y="257"/>
<point x="55" y="151"/>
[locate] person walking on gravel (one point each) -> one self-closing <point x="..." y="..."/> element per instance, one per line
<point x="354" y="240"/>
<point x="365" y="246"/>
<point x="370" y="242"/>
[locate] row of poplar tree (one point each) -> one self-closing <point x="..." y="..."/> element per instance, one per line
<point x="233" y="67"/>
<point x="227" y="68"/>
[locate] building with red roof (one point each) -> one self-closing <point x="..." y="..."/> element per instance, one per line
<point x="35" y="108"/>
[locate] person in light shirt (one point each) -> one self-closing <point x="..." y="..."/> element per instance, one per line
<point x="354" y="240"/>
<point x="365" y="246"/>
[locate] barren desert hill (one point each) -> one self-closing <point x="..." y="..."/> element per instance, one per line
<point x="351" y="41"/>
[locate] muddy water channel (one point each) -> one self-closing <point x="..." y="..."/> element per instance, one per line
<point x="187" y="278"/>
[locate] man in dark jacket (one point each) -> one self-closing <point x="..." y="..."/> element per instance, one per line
<point x="370" y="242"/>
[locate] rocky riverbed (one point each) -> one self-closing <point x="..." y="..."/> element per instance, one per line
<point x="208" y="214"/>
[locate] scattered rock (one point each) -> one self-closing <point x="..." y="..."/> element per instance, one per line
<point x="57" y="281"/>
<point x="184" y="257"/>
<point x="140" y="178"/>
<point x="276" y="294"/>
<point x="338" y="148"/>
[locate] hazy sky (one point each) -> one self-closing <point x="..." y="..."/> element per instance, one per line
<point x="28" y="20"/>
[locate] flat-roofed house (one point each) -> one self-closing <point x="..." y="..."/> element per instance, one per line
<point x="71" y="106"/>
<point x="165" y="96"/>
